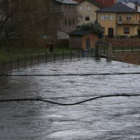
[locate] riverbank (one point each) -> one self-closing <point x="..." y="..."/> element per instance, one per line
<point x="28" y="60"/>
<point x="6" y="54"/>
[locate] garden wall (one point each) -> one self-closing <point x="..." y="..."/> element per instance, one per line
<point x="125" y="42"/>
<point x="62" y="43"/>
<point x="128" y="57"/>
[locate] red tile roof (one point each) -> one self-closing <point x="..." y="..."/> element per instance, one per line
<point x="107" y="2"/>
<point x="78" y="0"/>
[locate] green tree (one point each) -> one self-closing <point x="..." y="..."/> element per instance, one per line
<point x="95" y="27"/>
<point x="138" y="31"/>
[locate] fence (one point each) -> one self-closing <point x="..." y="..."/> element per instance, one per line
<point x="124" y="54"/>
<point x="122" y="49"/>
<point x="31" y="59"/>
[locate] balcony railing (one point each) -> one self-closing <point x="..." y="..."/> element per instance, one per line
<point x="128" y="22"/>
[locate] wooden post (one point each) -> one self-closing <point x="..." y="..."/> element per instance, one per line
<point x="113" y="49"/>
<point x="18" y="62"/>
<point x="3" y="65"/>
<point x="25" y="60"/>
<point x="97" y="50"/>
<point x="92" y="51"/>
<point x="38" y="57"/>
<point x="83" y="53"/>
<point x="109" y="51"/>
<point x="11" y="64"/>
<point x="54" y="57"/>
<point x="104" y="49"/>
<point x="63" y="56"/>
<point x="31" y="59"/>
<point x="122" y="49"/>
<point x="46" y="57"/>
<point x="78" y="54"/>
<point x="132" y="49"/>
<point x="71" y="55"/>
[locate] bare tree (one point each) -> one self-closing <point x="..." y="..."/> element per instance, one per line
<point x="27" y="20"/>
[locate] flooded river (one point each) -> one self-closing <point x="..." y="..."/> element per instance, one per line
<point x="115" y="118"/>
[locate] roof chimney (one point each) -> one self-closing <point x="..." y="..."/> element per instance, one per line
<point x="136" y="6"/>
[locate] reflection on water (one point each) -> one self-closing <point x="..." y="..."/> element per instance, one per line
<point x="103" y="119"/>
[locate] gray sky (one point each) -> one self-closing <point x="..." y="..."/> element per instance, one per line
<point x="128" y="0"/>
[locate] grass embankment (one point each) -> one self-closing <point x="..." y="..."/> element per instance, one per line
<point x="6" y="54"/>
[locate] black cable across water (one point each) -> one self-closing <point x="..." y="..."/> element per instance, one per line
<point x="70" y="74"/>
<point x="69" y="104"/>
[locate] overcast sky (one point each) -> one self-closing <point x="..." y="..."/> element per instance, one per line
<point x="128" y="0"/>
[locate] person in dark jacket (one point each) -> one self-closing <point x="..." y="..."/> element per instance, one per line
<point x="51" y="47"/>
<point x="47" y="47"/>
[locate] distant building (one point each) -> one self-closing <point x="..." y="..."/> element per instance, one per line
<point x="128" y="1"/>
<point x="86" y="9"/>
<point x="82" y="39"/>
<point x="119" y="20"/>
<point x="69" y="15"/>
<point x="106" y="2"/>
<point x="133" y="5"/>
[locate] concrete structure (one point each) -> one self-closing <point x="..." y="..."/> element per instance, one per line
<point x="119" y="20"/>
<point x="82" y="39"/>
<point x="86" y="9"/>
<point x="98" y="47"/>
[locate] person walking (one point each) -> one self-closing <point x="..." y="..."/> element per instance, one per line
<point x="51" y="47"/>
<point x="47" y="46"/>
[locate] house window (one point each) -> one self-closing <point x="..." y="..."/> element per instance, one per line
<point x="87" y="18"/>
<point x="106" y="17"/>
<point x="81" y="7"/>
<point x="102" y="17"/>
<point x="89" y="7"/>
<point x="65" y="6"/>
<point x="126" y="30"/>
<point x="119" y="18"/>
<point x="111" y="17"/>
<point x="128" y="17"/>
<point x="46" y="36"/>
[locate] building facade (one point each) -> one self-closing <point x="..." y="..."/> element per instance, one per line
<point x="128" y="1"/>
<point x="68" y="20"/>
<point x="119" y="20"/>
<point x="86" y="9"/>
<point x="82" y="39"/>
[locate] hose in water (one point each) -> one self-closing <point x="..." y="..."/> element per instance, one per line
<point x="69" y="104"/>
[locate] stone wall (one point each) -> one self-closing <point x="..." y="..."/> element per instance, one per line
<point x="126" y="42"/>
<point x="75" y="42"/>
<point x="62" y="43"/>
<point x="128" y="57"/>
